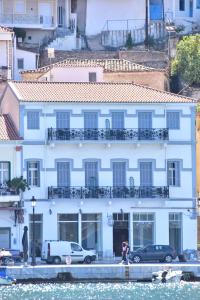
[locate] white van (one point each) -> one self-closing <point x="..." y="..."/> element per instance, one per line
<point x="62" y="251"/>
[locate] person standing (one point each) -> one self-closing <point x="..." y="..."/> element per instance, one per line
<point x="124" y="252"/>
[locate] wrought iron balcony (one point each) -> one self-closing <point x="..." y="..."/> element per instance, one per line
<point x="78" y="134"/>
<point x="108" y="192"/>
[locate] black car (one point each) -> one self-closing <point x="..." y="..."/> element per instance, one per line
<point x="161" y="253"/>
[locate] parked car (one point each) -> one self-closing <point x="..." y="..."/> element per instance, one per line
<point x="161" y="253"/>
<point x="61" y="251"/>
<point x="17" y="255"/>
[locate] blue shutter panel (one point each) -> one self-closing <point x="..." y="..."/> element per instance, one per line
<point x="90" y="120"/>
<point x="117" y="120"/>
<point x="33" y="120"/>
<point x="63" y="174"/>
<point x="119" y="174"/>
<point x="146" y="174"/>
<point x="145" y="120"/>
<point x="91" y="174"/>
<point x="173" y="120"/>
<point x="62" y="120"/>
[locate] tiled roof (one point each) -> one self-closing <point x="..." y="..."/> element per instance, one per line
<point x="109" y="65"/>
<point x="91" y="93"/>
<point x="7" y="129"/>
<point x="5" y="29"/>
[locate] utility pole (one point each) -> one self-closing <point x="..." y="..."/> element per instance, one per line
<point x="146" y="23"/>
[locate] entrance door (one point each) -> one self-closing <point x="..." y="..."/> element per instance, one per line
<point x="91" y="179"/>
<point x="156" y="10"/>
<point x="5" y="238"/>
<point x="175" y="231"/>
<point x="191" y="9"/>
<point x="45" y="14"/>
<point x="120" y="232"/>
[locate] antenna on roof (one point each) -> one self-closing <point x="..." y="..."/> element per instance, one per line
<point x="51" y="54"/>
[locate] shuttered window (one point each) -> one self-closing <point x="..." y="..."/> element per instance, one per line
<point x="181" y="5"/>
<point x="91" y="174"/>
<point x="33" y="120"/>
<point x="198" y="4"/>
<point x="92" y="76"/>
<point x="90" y="120"/>
<point x="119" y="174"/>
<point x="145" y="120"/>
<point x="146" y="176"/>
<point x="63" y="174"/>
<point x="117" y="120"/>
<point x="62" y="120"/>
<point x="173" y="120"/>
<point x="33" y="173"/>
<point x="173" y="173"/>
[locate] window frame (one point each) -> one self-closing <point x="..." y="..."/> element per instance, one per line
<point x="92" y="76"/>
<point x="24" y="7"/>
<point x="181" y="5"/>
<point x="20" y="61"/>
<point x="2" y="171"/>
<point x="174" y="176"/>
<point x="33" y="181"/>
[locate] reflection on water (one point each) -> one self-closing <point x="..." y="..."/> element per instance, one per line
<point x="101" y="291"/>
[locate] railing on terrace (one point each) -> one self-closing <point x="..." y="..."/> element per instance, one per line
<point x="78" y="134"/>
<point x="108" y="192"/>
<point x="21" y="19"/>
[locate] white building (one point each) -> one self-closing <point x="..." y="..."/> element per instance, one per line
<point x="12" y="59"/>
<point x="107" y="162"/>
<point x="11" y="214"/>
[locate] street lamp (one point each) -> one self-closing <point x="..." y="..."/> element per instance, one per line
<point x="33" y="204"/>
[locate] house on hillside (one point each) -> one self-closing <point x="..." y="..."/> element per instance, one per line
<point x="12" y="59"/>
<point x="99" y="70"/>
<point x="107" y="162"/>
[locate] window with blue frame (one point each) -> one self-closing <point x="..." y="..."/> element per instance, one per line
<point x="173" y="173"/>
<point x="173" y="120"/>
<point x="33" y="120"/>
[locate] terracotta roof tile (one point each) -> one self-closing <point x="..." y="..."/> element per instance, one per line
<point x="7" y="129"/>
<point x="109" y="65"/>
<point x="92" y="93"/>
<point x="5" y="29"/>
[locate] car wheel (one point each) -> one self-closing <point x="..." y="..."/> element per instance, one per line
<point x="168" y="258"/>
<point x="87" y="260"/>
<point x="56" y="260"/>
<point x="136" y="259"/>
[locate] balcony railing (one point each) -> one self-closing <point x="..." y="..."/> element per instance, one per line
<point x="78" y="134"/>
<point x="108" y="192"/>
<point x="27" y="19"/>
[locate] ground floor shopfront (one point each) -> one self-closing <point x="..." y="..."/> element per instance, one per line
<point x="104" y="228"/>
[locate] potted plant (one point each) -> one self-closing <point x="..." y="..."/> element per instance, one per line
<point x="17" y="185"/>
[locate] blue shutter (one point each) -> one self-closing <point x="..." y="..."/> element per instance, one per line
<point x="146" y="174"/>
<point x="117" y="120"/>
<point x="90" y="120"/>
<point x="119" y="174"/>
<point x="62" y="120"/>
<point x="173" y="120"/>
<point x="33" y="120"/>
<point x="198" y="4"/>
<point x="63" y="174"/>
<point x="91" y="174"/>
<point x="144" y="120"/>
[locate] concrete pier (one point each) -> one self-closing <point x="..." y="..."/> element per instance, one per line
<point x="133" y="272"/>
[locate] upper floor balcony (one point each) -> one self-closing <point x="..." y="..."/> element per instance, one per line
<point x="8" y="195"/>
<point x="27" y="20"/>
<point x="108" y="192"/>
<point x="102" y="134"/>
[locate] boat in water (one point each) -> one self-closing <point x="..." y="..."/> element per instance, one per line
<point x="167" y="276"/>
<point x="7" y="280"/>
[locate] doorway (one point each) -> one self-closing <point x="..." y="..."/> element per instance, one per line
<point x="120" y="232"/>
<point x="5" y="237"/>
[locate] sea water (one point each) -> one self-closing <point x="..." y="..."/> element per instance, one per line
<point x="101" y="291"/>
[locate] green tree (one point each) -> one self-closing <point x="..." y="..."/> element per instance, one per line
<point x="187" y="61"/>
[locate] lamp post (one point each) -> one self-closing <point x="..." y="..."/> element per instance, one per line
<point x="33" y="203"/>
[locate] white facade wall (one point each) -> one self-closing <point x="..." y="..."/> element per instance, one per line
<point x="72" y="74"/>
<point x="179" y="147"/>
